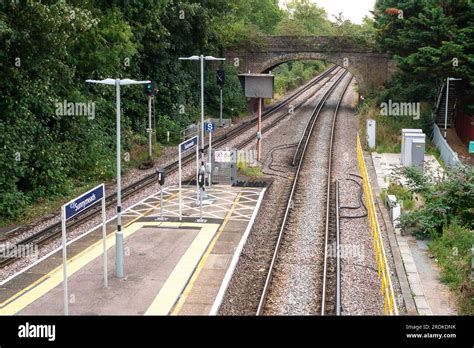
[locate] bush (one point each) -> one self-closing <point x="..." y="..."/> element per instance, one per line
<point x="453" y="252"/>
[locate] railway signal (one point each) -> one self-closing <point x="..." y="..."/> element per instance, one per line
<point x="150" y="90"/>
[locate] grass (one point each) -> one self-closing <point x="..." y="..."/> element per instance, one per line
<point x="403" y="194"/>
<point x="251" y="171"/>
<point x="453" y="253"/>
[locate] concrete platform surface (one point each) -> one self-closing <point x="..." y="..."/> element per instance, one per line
<point x="171" y="267"/>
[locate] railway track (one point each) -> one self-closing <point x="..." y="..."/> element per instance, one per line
<point x="54" y="230"/>
<point x="330" y="277"/>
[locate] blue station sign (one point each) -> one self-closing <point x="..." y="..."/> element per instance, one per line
<point x="188" y="144"/>
<point x="210" y="127"/>
<point x="83" y="202"/>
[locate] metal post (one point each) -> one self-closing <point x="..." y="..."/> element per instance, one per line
<point x="446" y="111"/>
<point x="259" y="134"/>
<point x="221" y="109"/>
<point x="150" y="129"/>
<point x="104" y="239"/>
<point x="118" y="235"/>
<point x="200" y="207"/>
<point x="63" y="226"/>
<point x="161" y="203"/>
<point x="179" y="185"/>
<point x="210" y="159"/>
<point x="202" y="108"/>
<point x="197" y="170"/>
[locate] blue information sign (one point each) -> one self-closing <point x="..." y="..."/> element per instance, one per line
<point x="210" y="127"/>
<point x="188" y="144"/>
<point x="83" y="202"/>
<point x="471" y="147"/>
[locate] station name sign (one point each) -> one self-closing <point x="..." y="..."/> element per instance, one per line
<point x="83" y="202"/>
<point x="188" y="144"/>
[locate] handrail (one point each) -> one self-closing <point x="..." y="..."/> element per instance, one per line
<point x="390" y="306"/>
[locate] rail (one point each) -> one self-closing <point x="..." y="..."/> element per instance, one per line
<point x="386" y="289"/>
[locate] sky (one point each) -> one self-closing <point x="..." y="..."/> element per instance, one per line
<point x="354" y="10"/>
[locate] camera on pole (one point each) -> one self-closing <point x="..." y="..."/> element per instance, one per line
<point x="161" y="177"/>
<point x="161" y="180"/>
<point x="201" y="176"/>
<point x="150" y="89"/>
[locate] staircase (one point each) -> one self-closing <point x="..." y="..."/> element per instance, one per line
<point x="441" y="105"/>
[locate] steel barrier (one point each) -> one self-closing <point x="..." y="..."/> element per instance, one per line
<point x="386" y="289"/>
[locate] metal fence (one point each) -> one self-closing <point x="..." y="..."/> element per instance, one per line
<point x="386" y="289"/>
<point x="449" y="157"/>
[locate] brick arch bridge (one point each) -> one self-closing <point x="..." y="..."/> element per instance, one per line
<point x="370" y="68"/>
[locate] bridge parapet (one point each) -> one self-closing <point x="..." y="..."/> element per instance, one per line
<point x="370" y="68"/>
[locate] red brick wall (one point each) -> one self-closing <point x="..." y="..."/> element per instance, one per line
<point x="465" y="127"/>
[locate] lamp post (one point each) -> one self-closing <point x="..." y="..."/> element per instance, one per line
<point x="202" y="58"/>
<point x="118" y="235"/>
<point x="446" y="108"/>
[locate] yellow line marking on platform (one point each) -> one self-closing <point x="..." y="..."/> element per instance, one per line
<point x="199" y="268"/>
<point x="179" y="277"/>
<point x="50" y="280"/>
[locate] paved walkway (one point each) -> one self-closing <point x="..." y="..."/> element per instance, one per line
<point x="431" y="297"/>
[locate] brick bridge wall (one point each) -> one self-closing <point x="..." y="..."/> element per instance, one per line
<point x="371" y="69"/>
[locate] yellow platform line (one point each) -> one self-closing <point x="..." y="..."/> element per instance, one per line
<point x="199" y="268"/>
<point x="176" y="282"/>
<point x="50" y="280"/>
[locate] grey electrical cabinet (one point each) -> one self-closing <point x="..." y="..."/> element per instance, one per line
<point x="418" y="152"/>
<point x="404" y="155"/>
<point x="257" y="85"/>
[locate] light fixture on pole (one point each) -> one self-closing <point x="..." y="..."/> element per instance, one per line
<point x="118" y="235"/>
<point x="202" y="58"/>
<point x="446" y="106"/>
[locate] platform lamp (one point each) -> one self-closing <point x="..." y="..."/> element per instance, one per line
<point x="202" y="58"/>
<point x="118" y="235"/>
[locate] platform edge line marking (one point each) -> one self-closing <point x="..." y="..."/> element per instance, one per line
<point x="189" y="286"/>
<point x="235" y="258"/>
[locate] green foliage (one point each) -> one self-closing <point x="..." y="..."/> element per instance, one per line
<point x="251" y="171"/>
<point x="449" y="200"/>
<point x="453" y="252"/>
<point x="293" y="74"/>
<point x="431" y="40"/>
<point x="403" y="194"/>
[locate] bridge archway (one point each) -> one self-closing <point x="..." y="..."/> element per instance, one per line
<point x="272" y="63"/>
<point x="371" y="69"/>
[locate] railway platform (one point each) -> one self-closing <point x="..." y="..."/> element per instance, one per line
<point x="172" y="266"/>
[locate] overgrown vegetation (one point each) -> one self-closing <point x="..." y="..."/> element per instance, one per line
<point x="251" y="171"/>
<point x="447" y="220"/>
<point x="293" y="74"/>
